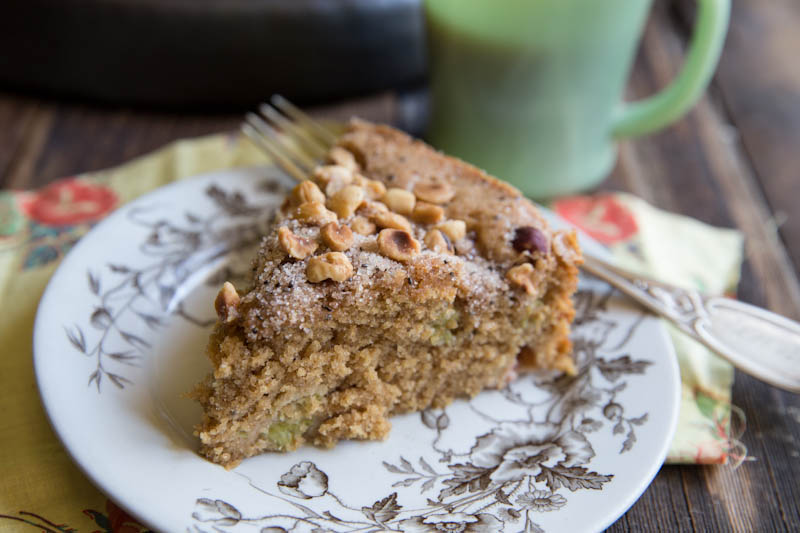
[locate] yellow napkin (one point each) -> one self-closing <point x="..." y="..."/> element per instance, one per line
<point x="687" y="253"/>
<point x="42" y="489"/>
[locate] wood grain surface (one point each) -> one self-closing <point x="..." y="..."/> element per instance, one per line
<point x="734" y="161"/>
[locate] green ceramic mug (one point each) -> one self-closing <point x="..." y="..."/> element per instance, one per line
<point x="531" y="90"/>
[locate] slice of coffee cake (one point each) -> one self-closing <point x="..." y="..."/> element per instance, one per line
<point x="394" y="279"/>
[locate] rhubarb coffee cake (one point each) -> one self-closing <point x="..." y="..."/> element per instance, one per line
<point x="394" y="279"/>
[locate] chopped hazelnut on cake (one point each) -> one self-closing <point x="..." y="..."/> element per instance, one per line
<point x="394" y="279"/>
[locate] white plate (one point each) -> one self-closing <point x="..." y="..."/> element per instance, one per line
<point x="120" y="336"/>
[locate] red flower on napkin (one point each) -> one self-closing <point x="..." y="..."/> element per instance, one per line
<point x="602" y="217"/>
<point x="122" y="522"/>
<point x="68" y="201"/>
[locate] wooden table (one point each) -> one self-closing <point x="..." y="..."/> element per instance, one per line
<point x="734" y="161"/>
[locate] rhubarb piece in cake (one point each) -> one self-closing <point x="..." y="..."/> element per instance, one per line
<point x="394" y="279"/>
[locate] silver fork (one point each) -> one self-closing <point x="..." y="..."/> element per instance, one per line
<point x="284" y="131"/>
<point x="758" y="342"/>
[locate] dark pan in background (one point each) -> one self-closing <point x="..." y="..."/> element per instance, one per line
<point x="209" y="53"/>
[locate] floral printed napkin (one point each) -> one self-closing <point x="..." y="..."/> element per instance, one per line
<point x="43" y="490"/>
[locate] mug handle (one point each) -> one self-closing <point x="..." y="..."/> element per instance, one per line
<point x="671" y="103"/>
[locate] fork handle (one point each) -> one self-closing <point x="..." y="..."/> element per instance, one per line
<point x="758" y="342"/>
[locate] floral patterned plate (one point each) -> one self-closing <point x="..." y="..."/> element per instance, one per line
<point x="120" y="337"/>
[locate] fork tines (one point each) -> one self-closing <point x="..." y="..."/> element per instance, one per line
<point x="294" y="140"/>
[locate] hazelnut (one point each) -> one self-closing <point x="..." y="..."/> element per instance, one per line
<point x="325" y="174"/>
<point x="522" y="276"/>
<point x="227" y="303"/>
<point x="387" y="219"/>
<point x="566" y="247"/>
<point x="362" y="226"/>
<point x="332" y="265"/>
<point x="369" y="245"/>
<point x="314" y="213"/>
<point x="342" y="157"/>
<point x="530" y="239"/>
<point x="435" y="192"/>
<point x="345" y="201"/>
<point x="336" y="237"/>
<point x="455" y="229"/>
<point x="335" y="185"/>
<point x="399" y="200"/>
<point x="438" y="242"/>
<point x="426" y="213"/>
<point x="294" y="245"/>
<point x="306" y="191"/>
<point x="397" y="244"/>
<point x="368" y="208"/>
<point x="374" y="189"/>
